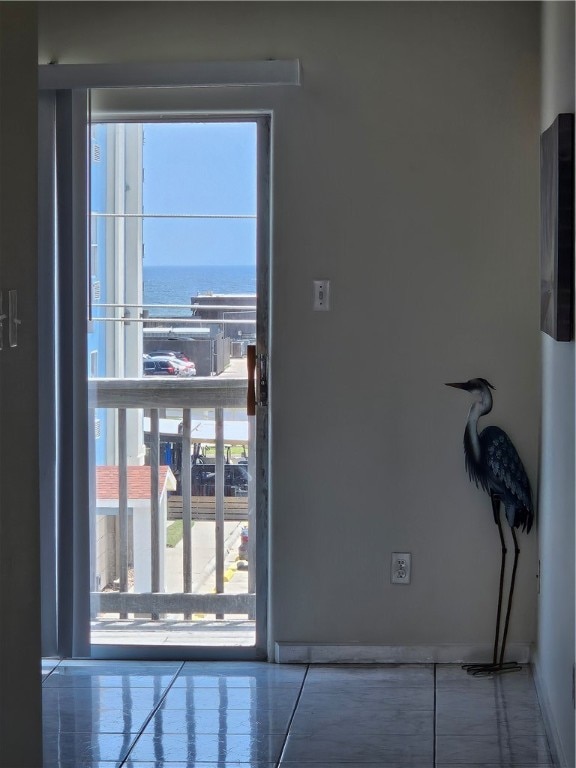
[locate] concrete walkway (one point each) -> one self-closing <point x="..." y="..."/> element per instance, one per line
<point x="203" y="556"/>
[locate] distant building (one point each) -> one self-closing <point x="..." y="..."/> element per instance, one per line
<point x="210" y="346"/>
<point x="207" y="307"/>
<point x="140" y="520"/>
<point x="115" y="348"/>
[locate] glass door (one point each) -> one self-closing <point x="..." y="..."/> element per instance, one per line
<point x="177" y="295"/>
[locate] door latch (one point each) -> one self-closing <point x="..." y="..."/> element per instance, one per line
<point x="2" y="318"/>
<point x="262" y="379"/>
<point x="251" y="362"/>
<point x="257" y="385"/>
<point x="13" y="319"/>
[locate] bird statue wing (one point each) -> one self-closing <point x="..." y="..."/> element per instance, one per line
<point x="507" y="476"/>
<point x="472" y="467"/>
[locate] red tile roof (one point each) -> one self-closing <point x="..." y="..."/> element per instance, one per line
<point x="138" y="482"/>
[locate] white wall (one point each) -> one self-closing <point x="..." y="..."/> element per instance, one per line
<point x="406" y="171"/>
<point x="555" y="645"/>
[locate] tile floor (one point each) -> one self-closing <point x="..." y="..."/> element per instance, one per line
<point x="100" y="714"/>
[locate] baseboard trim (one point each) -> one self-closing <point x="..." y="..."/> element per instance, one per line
<point x="558" y="754"/>
<point x="336" y="653"/>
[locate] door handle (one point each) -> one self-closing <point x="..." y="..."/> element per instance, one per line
<point x="251" y="363"/>
<point x="263" y="380"/>
<point x="262" y="397"/>
<point x="3" y="317"/>
<point x="13" y="319"/>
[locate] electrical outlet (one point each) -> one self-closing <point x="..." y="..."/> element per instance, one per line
<point x="401" y="568"/>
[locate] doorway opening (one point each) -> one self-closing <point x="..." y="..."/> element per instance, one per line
<point x="176" y="304"/>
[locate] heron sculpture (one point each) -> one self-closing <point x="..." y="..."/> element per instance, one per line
<point x="493" y="464"/>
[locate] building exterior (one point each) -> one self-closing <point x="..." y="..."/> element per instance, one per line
<point x="116" y="253"/>
<point x="114" y="348"/>
<point x="140" y="511"/>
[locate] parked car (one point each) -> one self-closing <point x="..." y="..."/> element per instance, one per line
<point x="185" y="368"/>
<point x="159" y="367"/>
<point x="169" y="353"/>
<point x="180" y="356"/>
<point x="182" y="368"/>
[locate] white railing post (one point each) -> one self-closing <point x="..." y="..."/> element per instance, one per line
<point x="186" y="489"/>
<point x="219" y="500"/>
<point x="154" y="503"/>
<point x="122" y="503"/>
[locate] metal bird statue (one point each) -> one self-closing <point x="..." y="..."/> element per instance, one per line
<point x="493" y="464"/>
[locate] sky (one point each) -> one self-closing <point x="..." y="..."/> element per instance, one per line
<point x="199" y="168"/>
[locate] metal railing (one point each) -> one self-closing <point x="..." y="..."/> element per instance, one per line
<point x="197" y="308"/>
<point x="122" y="395"/>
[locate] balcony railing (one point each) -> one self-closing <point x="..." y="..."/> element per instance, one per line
<point x="152" y="395"/>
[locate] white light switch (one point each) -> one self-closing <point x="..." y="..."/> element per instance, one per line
<point x="321" y="295"/>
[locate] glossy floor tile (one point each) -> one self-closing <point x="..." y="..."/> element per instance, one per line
<point x="100" y="714"/>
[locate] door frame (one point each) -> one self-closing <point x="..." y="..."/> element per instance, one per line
<point x="64" y="441"/>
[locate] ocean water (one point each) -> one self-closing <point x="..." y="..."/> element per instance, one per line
<point x="177" y="285"/>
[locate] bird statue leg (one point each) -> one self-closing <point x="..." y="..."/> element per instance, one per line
<point x="499" y="666"/>
<point x="483" y="669"/>
<point x="496" y="509"/>
<point x="510" y="666"/>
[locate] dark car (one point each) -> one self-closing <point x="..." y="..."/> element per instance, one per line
<point x="159" y="368"/>
<point x="169" y="353"/>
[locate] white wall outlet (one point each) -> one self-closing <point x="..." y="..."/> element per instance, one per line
<point x="321" y="295"/>
<point x="401" y="568"/>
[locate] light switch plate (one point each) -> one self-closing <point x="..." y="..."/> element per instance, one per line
<point x="321" y="295"/>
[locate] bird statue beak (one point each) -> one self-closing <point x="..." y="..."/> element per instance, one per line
<point x="457" y="385"/>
